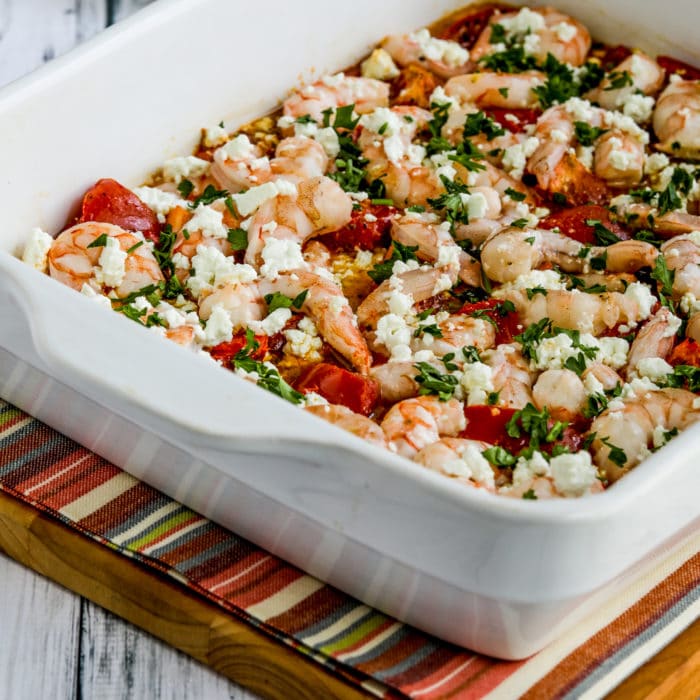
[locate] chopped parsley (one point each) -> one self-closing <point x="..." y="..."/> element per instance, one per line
<point x="618" y="79"/>
<point x="134" y="247"/>
<point x="432" y="383"/>
<point x="282" y="301"/>
<point x="452" y="202"/>
<point x="515" y="195"/>
<point x="665" y="278"/>
<point x="587" y="134"/>
<point x="100" y="241"/>
<point x="536" y="424"/>
<point x="210" y="194"/>
<point x="185" y="188"/>
<point x="603" y="235"/>
<point x="430" y="329"/>
<point x="617" y="454"/>
<point x="238" y="238"/>
<point x="499" y="457"/>
<point x="478" y="123"/>
<point x="399" y="252"/>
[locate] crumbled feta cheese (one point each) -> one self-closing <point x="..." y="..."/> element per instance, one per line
<point x="159" y="201"/>
<point x="573" y="474"/>
<point x="515" y="157"/>
<point x="219" y="328"/>
<point x="214" y="135"/>
<point x="476" y="204"/>
<point x="279" y="255"/>
<point x="209" y="221"/>
<point x="36" y="249"/>
<point x="580" y="110"/>
<point x="642" y="296"/>
<point x="448" y="52"/>
<point x="660" y="436"/>
<point x="364" y="259"/>
<point x="275" y="321"/>
<point x="398" y="302"/>
<point x="184" y="167"/>
<point x="239" y="148"/>
<point x="655" y="163"/>
<point x="111" y="269"/>
<point x="617" y="120"/>
<point x="592" y="385"/>
<point x="654" y="368"/>
<point x="638" y="107"/>
<point x="585" y="156"/>
<point x="443" y="165"/>
<point x="523" y="22"/>
<point x="311" y="398"/>
<point x="545" y="279"/>
<point x="304" y="341"/>
<point x="471" y="464"/>
<point x="637" y="388"/>
<point x="531" y="44"/>
<point x="613" y="352"/>
<point x="528" y="469"/>
<point x="379" y="66"/>
<point x="565" y="31"/>
<point x="619" y="158"/>
<point x="689" y="304"/>
<point x="395" y="334"/>
<point x="213" y="269"/>
<point x="181" y="262"/>
<point x="328" y="138"/>
<point x="247" y="202"/>
<point x="477" y="380"/>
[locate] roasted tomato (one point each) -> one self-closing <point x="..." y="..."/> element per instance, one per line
<point x="572" y="223"/>
<point x="523" y="117"/>
<point x="111" y="203"/>
<point x="225" y="352"/>
<point x="368" y="229"/>
<point x="673" y="65"/>
<point x="613" y="56"/>
<point x="507" y="323"/>
<point x="687" y="352"/>
<point x="488" y="423"/>
<point x="467" y="28"/>
<point x="340" y="386"/>
<point x="414" y="86"/>
<point x="577" y="184"/>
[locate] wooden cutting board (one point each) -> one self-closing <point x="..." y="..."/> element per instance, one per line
<point x="233" y="648"/>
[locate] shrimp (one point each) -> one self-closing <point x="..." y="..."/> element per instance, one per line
<point x="644" y="75"/>
<point x="239" y="165"/>
<point x="121" y="262"/>
<point x="461" y="460"/>
<point x="639" y="215"/>
<point x="588" y="313"/>
<point x="562" y="392"/>
<point x="654" y="339"/>
<point x="324" y="303"/>
<point x="676" y="119"/>
<point x="458" y="331"/>
<point x="397" y="380"/>
<point x="618" y="155"/>
<point x="692" y="330"/>
<point x="444" y="58"/>
<point x="354" y="423"/>
<point x="631" y="429"/>
<point x="435" y="243"/>
<point x="513" y="91"/>
<point x="411" y="425"/>
<point x="604" y="375"/>
<point x="515" y="252"/>
<point x="334" y="91"/>
<point x="418" y="284"/>
<point x="318" y="206"/>
<point x="511" y="376"/>
<point x="542" y="31"/>
<point x="682" y="255"/>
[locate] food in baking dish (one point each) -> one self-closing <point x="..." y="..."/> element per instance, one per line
<point x="478" y="249"/>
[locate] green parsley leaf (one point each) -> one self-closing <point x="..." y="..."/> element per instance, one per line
<point x="432" y="383"/>
<point x="587" y="134"/>
<point x="185" y="188"/>
<point x="603" y="235"/>
<point x="238" y="238"/>
<point x="478" y="123"/>
<point x="382" y="271"/>
<point x="210" y="194"/>
<point x="515" y="195"/>
<point x="100" y="241"/>
<point x="618" y="79"/>
<point x="617" y="454"/>
<point x="282" y="301"/>
<point x="134" y="247"/>
<point x="499" y="457"/>
<point x="530" y="495"/>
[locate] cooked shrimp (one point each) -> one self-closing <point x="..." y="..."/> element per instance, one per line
<point x="676" y="119"/>
<point x="644" y="75"/>
<point x="397" y="380"/>
<point x="354" y="423"/>
<point x="435" y="243"/>
<point x="562" y="392"/>
<point x="541" y="31"/>
<point x="123" y="264"/>
<point x="456" y="332"/>
<point x="418" y="284"/>
<point x="654" y="339"/>
<point x="459" y="459"/>
<point x="631" y="428"/>
<point x="618" y="156"/>
<point x="238" y="165"/>
<point x="682" y="254"/>
<point x="318" y="206"/>
<point x="515" y="252"/>
<point x="411" y="425"/>
<point x="334" y="91"/>
<point x="639" y="215"/>
<point x="588" y="313"/>
<point x="511" y="376"/>
<point x="514" y="91"/>
<point x="324" y="303"/>
<point x="604" y="375"/>
<point x="444" y="58"/>
<point x="692" y="330"/>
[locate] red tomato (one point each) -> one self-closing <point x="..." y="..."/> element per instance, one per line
<point x="340" y="386"/>
<point x="687" y="352"/>
<point x="225" y="352"/>
<point x="577" y="184"/>
<point x="111" y="203"/>
<point x="368" y="228"/>
<point x="613" y="56"/>
<point x="508" y="325"/>
<point x="524" y="117"/>
<point x="572" y="223"/>
<point x="488" y="423"/>
<point x="672" y="65"/>
<point x="467" y="28"/>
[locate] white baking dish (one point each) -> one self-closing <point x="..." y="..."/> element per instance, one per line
<point x="500" y="576"/>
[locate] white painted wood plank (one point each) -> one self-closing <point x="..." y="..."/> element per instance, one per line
<point x="118" y="9"/>
<point x="120" y="662"/>
<point x="39" y="636"/>
<point x="35" y="31"/>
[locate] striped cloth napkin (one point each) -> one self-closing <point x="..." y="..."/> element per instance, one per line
<point x="387" y="658"/>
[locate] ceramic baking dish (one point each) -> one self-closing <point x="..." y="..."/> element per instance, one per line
<point x="499" y="576"/>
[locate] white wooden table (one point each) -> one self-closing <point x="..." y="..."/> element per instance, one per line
<point x="54" y="644"/>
